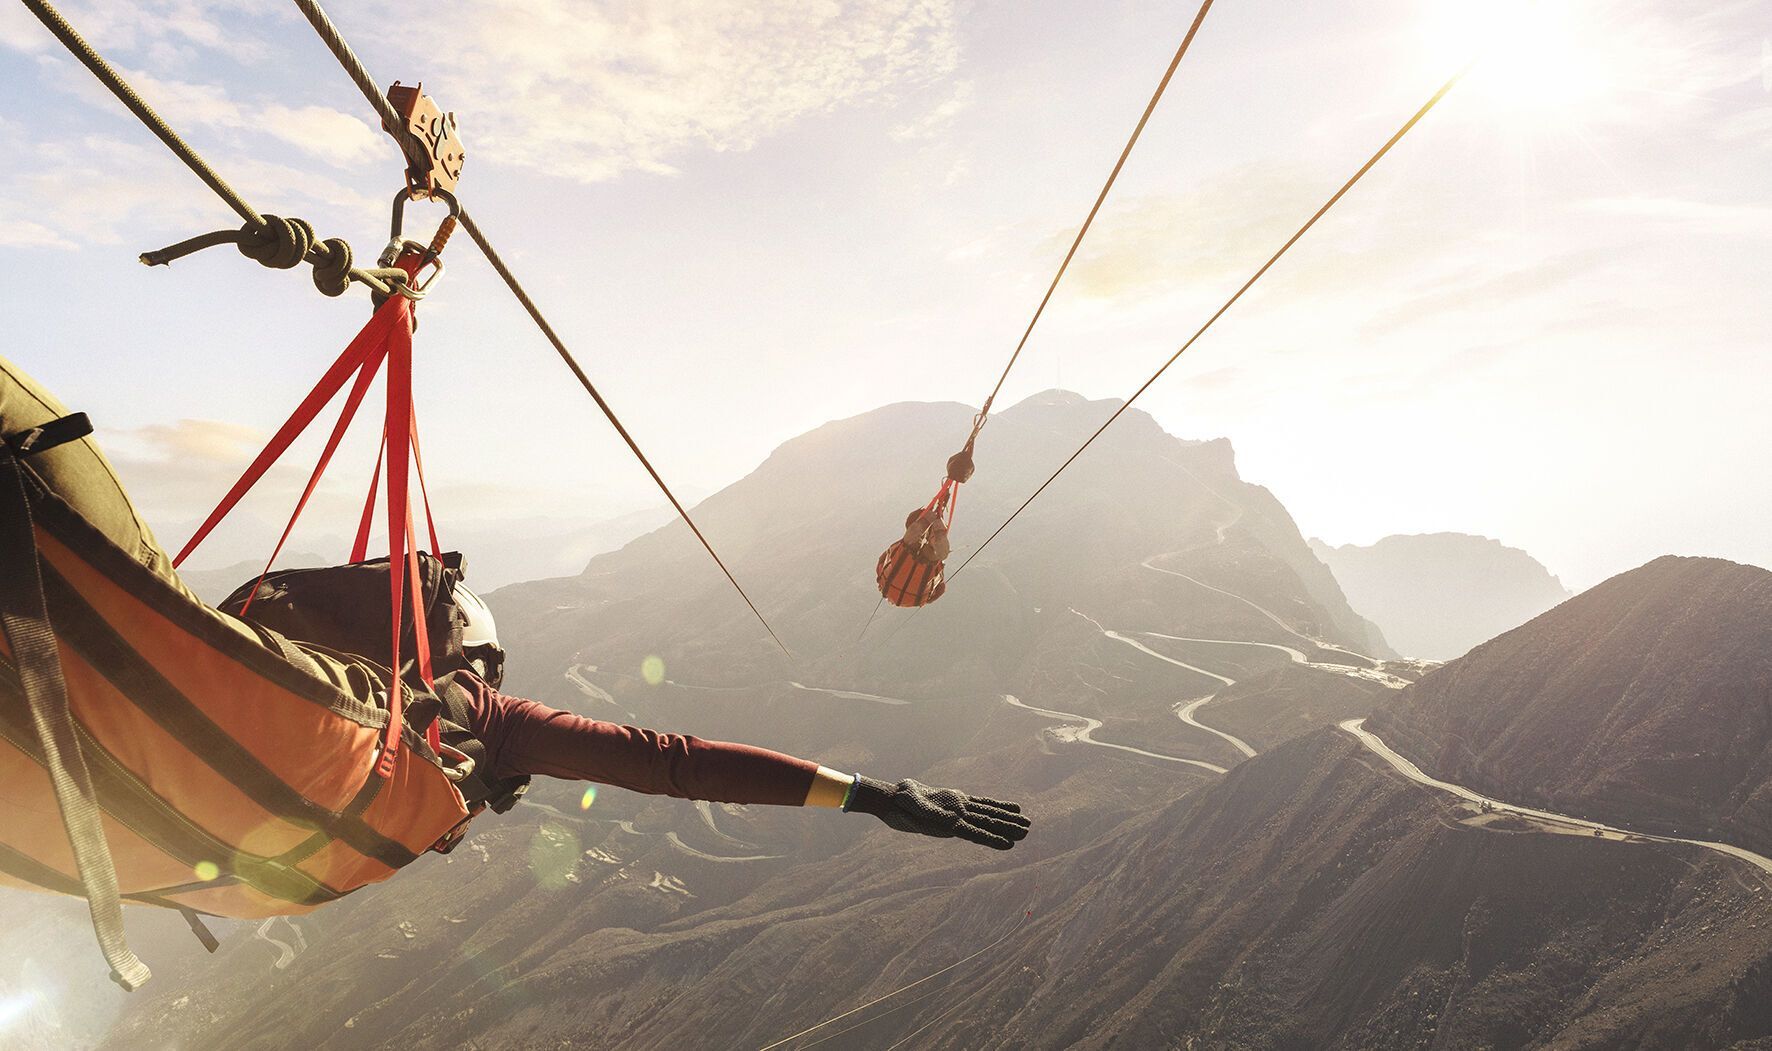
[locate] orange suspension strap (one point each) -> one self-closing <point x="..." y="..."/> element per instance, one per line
<point x="385" y="341"/>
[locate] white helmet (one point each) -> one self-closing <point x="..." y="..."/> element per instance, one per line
<point x="479" y="636"/>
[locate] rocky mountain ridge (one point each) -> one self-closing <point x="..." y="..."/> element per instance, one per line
<point x="1212" y="864"/>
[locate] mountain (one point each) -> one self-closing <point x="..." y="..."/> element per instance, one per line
<point x="804" y="530"/>
<point x="1436" y="595"/>
<point x="1148" y="660"/>
<point x="1647" y="699"/>
<point x="1148" y="580"/>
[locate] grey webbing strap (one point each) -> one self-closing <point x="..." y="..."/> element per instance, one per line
<point x="200" y="929"/>
<point x="24" y="615"/>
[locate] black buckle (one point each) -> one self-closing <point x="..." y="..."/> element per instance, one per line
<point x="69" y="428"/>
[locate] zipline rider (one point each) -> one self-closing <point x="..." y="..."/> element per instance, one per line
<point x="522" y="737"/>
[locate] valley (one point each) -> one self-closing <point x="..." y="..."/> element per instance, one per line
<point x="1238" y="838"/>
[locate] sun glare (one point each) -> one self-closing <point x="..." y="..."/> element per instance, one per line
<point x="1532" y="58"/>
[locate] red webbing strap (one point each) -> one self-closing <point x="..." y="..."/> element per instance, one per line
<point x="421" y="629"/>
<point x="418" y="466"/>
<point x="360" y="548"/>
<point x="941" y="497"/>
<point x="399" y="431"/>
<point x="371" y="336"/>
<point x="365" y="374"/>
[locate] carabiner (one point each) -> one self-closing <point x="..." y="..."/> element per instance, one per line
<point x="398" y="242"/>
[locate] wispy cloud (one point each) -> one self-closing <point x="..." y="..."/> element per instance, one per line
<point x="69" y="193"/>
<point x="591" y="92"/>
<point x="1483" y="283"/>
<point x="335" y="137"/>
<point x="166" y="32"/>
<point x="209" y="441"/>
<point x="1224" y="226"/>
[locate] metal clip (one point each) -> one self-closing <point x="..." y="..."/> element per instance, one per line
<point x="444" y="229"/>
<point x="428" y="255"/>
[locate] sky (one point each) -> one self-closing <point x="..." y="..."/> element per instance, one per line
<point x="1544" y="318"/>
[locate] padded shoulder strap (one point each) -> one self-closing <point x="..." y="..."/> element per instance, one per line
<point x="24" y="616"/>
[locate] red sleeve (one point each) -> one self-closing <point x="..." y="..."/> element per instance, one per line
<point x="523" y="737"/>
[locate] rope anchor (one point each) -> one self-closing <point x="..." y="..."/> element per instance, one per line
<point x="282" y="244"/>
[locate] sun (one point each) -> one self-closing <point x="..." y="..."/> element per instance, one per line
<point x="1541" y="59"/>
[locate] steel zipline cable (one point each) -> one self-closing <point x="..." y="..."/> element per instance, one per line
<point x="282" y="243"/>
<point x="368" y="86"/>
<point x="1408" y="125"/>
<point x="331" y="258"/>
<point x="1150" y="107"/>
<point x="983" y="415"/>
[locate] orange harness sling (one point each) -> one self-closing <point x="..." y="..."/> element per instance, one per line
<point x="193" y="767"/>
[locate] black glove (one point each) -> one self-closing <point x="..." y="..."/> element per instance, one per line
<point x="910" y="806"/>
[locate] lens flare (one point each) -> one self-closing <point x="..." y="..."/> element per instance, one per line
<point x="590" y="796"/>
<point x="553" y="856"/>
<point x="652" y="670"/>
<point x="1532" y="57"/>
<point x="206" y="871"/>
<point x="15" y="1007"/>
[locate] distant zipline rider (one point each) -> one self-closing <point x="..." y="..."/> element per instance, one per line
<point x="913" y="572"/>
<point x="910" y="572"/>
<point x="263" y="760"/>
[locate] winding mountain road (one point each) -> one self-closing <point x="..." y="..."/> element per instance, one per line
<point x="1356" y="727"/>
<point x="1371" y="662"/>
<point x="1084" y="735"/>
<point x="1186" y="711"/>
<point x="287" y="951"/>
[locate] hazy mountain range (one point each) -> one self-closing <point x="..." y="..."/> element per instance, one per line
<point x="1155" y="663"/>
<point x="1438" y="594"/>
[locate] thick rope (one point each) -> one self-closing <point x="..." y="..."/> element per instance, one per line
<point x="1220" y="312"/>
<point x="1143" y="119"/>
<point x="80" y="49"/>
<point x="269" y="239"/>
<point x="367" y="84"/>
<point x="282" y="244"/>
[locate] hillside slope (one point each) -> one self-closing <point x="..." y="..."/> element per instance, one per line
<point x="1310" y="900"/>
<point x="1646" y="699"/>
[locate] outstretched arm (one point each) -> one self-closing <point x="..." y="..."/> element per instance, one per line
<point x="524" y="737"/>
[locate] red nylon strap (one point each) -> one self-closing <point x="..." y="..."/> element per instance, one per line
<point x="941" y="496"/>
<point x="360" y="548"/>
<point x="365" y="373"/>
<point x="399" y="431"/>
<point x="421" y="630"/>
<point x="360" y="348"/>
<point x="387" y="337"/>
<point x="418" y="466"/>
